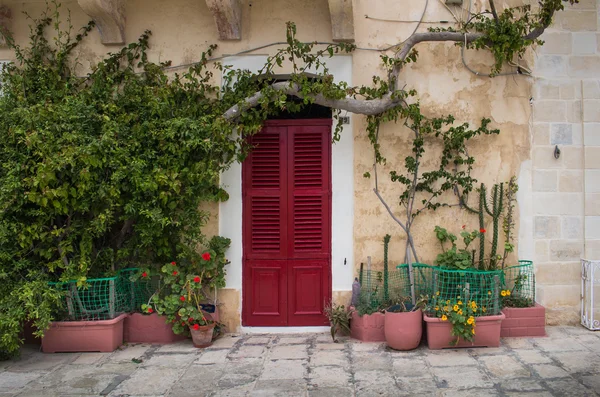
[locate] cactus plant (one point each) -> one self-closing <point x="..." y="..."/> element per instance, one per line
<point x="386" y="292"/>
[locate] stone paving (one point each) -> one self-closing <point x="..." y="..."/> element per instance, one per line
<point x="566" y="363"/>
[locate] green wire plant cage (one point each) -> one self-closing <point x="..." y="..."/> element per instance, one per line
<point x="104" y="298"/>
<point x="482" y="287"/>
<point x="520" y="281"/>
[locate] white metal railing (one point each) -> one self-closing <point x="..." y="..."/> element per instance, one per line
<point x="590" y="278"/>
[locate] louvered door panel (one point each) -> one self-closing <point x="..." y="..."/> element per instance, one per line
<point x="309" y="191"/>
<point x="265" y="188"/>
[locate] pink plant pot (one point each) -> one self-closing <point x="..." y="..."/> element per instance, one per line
<point x="149" y="328"/>
<point x="403" y="331"/>
<point x="202" y="337"/>
<point x="487" y="333"/>
<point x="368" y="328"/>
<point x="84" y="336"/>
<point x="524" y="321"/>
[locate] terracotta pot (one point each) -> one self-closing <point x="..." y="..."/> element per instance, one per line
<point x="368" y="328"/>
<point x="487" y="333"/>
<point x="84" y="336"/>
<point x="524" y="321"/>
<point x="149" y="328"/>
<point x="202" y="337"/>
<point x="403" y="331"/>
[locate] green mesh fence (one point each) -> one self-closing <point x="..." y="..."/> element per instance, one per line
<point x="482" y="287"/>
<point x="98" y="299"/>
<point x="139" y="290"/>
<point x="422" y="279"/>
<point x="375" y="294"/>
<point x="519" y="280"/>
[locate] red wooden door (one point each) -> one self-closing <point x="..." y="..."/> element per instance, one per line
<point x="287" y="224"/>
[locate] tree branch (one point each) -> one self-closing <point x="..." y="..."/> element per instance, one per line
<point x="359" y="106"/>
<point x="494" y="13"/>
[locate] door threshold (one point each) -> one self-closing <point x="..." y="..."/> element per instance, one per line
<point x="284" y="330"/>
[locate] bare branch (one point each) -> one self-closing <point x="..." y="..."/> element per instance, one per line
<point x="494" y="13"/>
<point x="358" y="106"/>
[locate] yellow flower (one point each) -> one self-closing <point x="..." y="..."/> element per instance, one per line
<point x="448" y="302"/>
<point x="473" y="331"/>
<point x="473" y="304"/>
<point x="447" y="308"/>
<point x="489" y="292"/>
<point x="470" y="320"/>
<point x="438" y="293"/>
<point x="503" y="293"/>
<point x="444" y="317"/>
<point x="507" y="293"/>
<point x="459" y="302"/>
<point x="483" y="309"/>
<point x="437" y="308"/>
<point x="460" y="312"/>
<point x="474" y="309"/>
<point x="455" y="308"/>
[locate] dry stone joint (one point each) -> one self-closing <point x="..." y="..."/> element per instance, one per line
<point x="109" y="16"/>
<point x="228" y="17"/>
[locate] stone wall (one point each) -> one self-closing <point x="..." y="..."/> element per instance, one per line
<point x="565" y="199"/>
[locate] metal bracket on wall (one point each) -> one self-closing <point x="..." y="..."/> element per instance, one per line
<point x="454" y="2"/>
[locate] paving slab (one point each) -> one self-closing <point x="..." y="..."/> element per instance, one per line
<point x="329" y="376"/>
<point x="461" y="377"/>
<point x="329" y="357"/>
<point x="450" y="358"/>
<point x="148" y="380"/>
<point x="549" y="371"/>
<point x="248" y="351"/>
<point x="504" y="367"/>
<point x="569" y="387"/>
<point x="284" y="369"/>
<point x="532" y="357"/>
<point x="212" y="357"/>
<point x="289" y="352"/>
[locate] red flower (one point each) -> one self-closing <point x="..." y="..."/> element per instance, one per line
<point x="175" y="273"/>
<point x="144" y="274"/>
<point x="190" y="320"/>
<point x="182" y="298"/>
<point x="481" y="230"/>
<point x="149" y="310"/>
<point x="183" y="323"/>
<point x="464" y="226"/>
<point x="196" y="327"/>
<point x="196" y="279"/>
<point x="173" y="263"/>
<point x="206" y="256"/>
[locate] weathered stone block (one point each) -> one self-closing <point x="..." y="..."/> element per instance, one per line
<point x="556" y="43"/>
<point x="592" y="181"/>
<point x="592" y="227"/>
<point x="570" y="90"/>
<point x="576" y="20"/>
<point x="591" y="133"/>
<point x="557" y="203"/>
<point x="584" y="66"/>
<point x="592" y="157"/>
<point x="591" y="89"/>
<point x="546" y="227"/>
<point x="584" y="43"/>
<point x="570" y="181"/>
<point x="551" y="65"/>
<point x="566" y="250"/>
<point x="561" y="134"/>
<point x="574" y="111"/>
<point x="592" y="204"/>
<point x="591" y="110"/>
<point x="572" y="227"/>
<point x="546" y="89"/>
<point x="541" y="251"/>
<point x="550" y="110"/>
<point x="545" y="181"/>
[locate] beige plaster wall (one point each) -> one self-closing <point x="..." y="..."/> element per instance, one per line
<point x="183" y="28"/>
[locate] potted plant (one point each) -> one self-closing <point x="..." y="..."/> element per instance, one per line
<point x="404" y="324"/>
<point x="524" y="317"/>
<point x="339" y="319"/>
<point x="461" y="323"/>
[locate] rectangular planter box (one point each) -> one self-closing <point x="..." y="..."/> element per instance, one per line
<point x="152" y="328"/>
<point x="84" y="336"/>
<point x="487" y="333"/>
<point x="368" y="328"/>
<point x="524" y="321"/>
